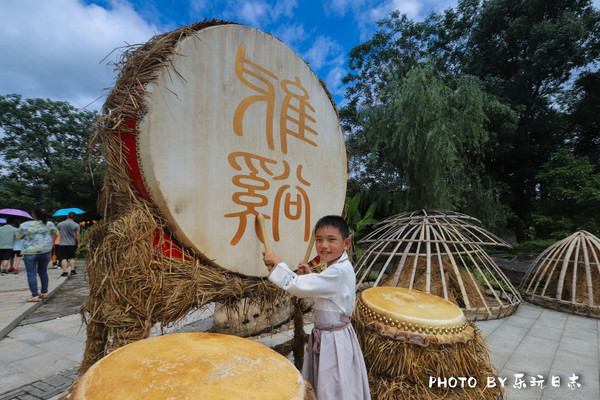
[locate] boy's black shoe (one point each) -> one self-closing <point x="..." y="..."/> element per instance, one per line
<point x="64" y="274"/>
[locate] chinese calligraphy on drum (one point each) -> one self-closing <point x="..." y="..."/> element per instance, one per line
<point x="295" y="120"/>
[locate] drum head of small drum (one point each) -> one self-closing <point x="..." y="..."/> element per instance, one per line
<point x="237" y="124"/>
<point x="414" y="306"/>
<point x="192" y="366"/>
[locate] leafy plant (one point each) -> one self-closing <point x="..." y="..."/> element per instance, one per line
<point x="490" y="278"/>
<point x="358" y="223"/>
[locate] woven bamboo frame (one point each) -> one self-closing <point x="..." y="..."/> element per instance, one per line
<point x="566" y="276"/>
<point x="439" y="252"/>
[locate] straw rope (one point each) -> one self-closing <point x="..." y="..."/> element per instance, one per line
<point x="400" y="369"/>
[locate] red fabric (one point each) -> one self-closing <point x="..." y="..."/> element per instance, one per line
<point x="168" y="247"/>
<point x="128" y="140"/>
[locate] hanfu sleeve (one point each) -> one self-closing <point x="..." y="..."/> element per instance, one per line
<point x="324" y="285"/>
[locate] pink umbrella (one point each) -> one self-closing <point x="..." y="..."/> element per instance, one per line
<point x="16" y="213"/>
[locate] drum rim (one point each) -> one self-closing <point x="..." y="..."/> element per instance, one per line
<point x="397" y="317"/>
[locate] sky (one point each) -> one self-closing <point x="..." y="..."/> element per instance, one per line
<point x="65" y="50"/>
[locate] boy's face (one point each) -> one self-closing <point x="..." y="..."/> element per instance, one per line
<point x="329" y="244"/>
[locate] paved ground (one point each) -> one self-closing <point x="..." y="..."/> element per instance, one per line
<point x="41" y="353"/>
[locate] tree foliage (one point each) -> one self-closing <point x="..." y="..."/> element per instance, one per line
<point x="583" y="105"/>
<point x="358" y="223"/>
<point x="568" y="196"/>
<point x="473" y="132"/>
<point x="45" y="157"/>
<point x="525" y="52"/>
<point x="431" y="136"/>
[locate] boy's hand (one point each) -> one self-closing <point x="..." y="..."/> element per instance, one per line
<point x="303" y="269"/>
<point x="270" y="259"/>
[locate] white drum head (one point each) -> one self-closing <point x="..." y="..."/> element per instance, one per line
<point x="238" y="124"/>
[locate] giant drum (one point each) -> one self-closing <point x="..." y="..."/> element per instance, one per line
<point x="235" y="124"/>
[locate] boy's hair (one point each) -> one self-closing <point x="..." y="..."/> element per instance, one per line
<point x="335" y="221"/>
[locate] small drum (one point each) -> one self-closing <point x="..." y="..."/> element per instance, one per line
<point x="414" y="342"/>
<point x="193" y="366"/>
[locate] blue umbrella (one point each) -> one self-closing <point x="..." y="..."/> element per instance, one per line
<point x="66" y="211"/>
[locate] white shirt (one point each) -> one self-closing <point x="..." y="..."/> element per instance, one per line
<point x="332" y="290"/>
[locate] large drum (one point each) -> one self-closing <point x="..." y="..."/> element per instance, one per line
<point x="235" y="124"/>
<point x="417" y="345"/>
<point x="193" y="366"/>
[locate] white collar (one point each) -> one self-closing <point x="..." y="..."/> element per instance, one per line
<point x="341" y="259"/>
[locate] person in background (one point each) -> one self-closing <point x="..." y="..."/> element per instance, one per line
<point x="38" y="236"/>
<point x="54" y="255"/>
<point x="7" y="238"/>
<point x="69" y="243"/>
<point x="15" y="260"/>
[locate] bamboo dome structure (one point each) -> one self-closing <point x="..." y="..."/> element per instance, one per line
<point x="439" y="252"/>
<point x="566" y="276"/>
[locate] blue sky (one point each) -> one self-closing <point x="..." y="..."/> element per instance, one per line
<point x="62" y="49"/>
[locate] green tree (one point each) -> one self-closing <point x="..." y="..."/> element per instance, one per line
<point x="420" y="128"/>
<point x="583" y="105"/>
<point x="523" y="54"/>
<point x="45" y="157"/>
<point x="427" y="138"/>
<point x="568" y="196"/>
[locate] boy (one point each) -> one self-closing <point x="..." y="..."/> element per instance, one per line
<point x="333" y="361"/>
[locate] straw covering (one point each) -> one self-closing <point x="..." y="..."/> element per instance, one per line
<point x="566" y="276"/>
<point x="439" y="252"/>
<point x="134" y="279"/>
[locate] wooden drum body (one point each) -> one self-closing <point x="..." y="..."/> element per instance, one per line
<point x="192" y="366"/>
<point x="412" y="340"/>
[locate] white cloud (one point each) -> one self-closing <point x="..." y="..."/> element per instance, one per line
<point x="334" y="81"/>
<point x="412" y="8"/>
<point x="56" y="48"/>
<point x="341" y="7"/>
<point x="417" y="10"/>
<point x="253" y="13"/>
<point x="291" y="35"/>
<point x="321" y="52"/>
<point x="328" y="56"/>
<point x="285" y="7"/>
<point x="260" y="13"/>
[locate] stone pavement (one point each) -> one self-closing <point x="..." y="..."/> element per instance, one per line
<point x="41" y="352"/>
